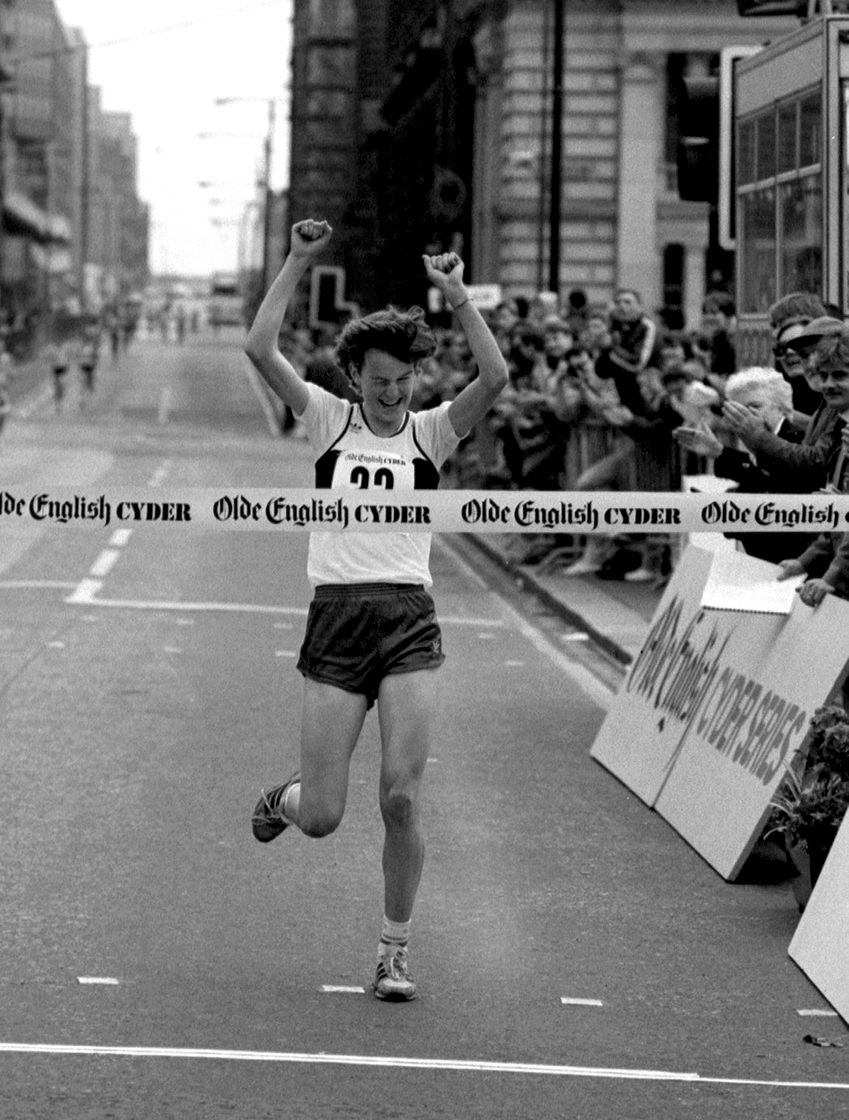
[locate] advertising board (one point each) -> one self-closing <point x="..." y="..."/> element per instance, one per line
<point x="715" y="706"/>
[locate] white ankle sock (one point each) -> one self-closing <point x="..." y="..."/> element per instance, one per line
<point x="291" y="802"/>
<point x="393" y="933"/>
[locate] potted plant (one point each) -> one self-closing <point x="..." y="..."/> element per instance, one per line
<point x="810" y="803"/>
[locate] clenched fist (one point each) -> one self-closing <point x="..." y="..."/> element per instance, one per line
<point x="309" y="237"/>
<point x="445" y="271"/>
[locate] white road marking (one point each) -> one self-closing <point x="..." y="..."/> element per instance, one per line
<point x="164" y="406"/>
<point x="486" y="637"/>
<point x="105" y="562"/>
<point x="24" y="584"/>
<point x="109" y="980"/>
<point x="457" y="620"/>
<point x="586" y="681"/>
<point x="353" y="989"/>
<point x="823" y="1012"/>
<point x="579" y="636"/>
<point x="160" y="474"/>
<point x="88" y="588"/>
<point x="120" y="537"/>
<point x="85" y="591"/>
<point x="576" y="1000"/>
<point x="387" y="1062"/>
<point x="514" y="664"/>
<point x="594" y="688"/>
<point x="285" y="653"/>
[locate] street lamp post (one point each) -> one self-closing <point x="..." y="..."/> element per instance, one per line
<point x="268" y="197"/>
<point x="555" y="193"/>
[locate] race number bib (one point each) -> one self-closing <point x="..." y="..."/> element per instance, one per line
<point x="372" y="470"/>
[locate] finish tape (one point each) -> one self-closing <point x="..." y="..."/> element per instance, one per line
<point x="433" y="511"/>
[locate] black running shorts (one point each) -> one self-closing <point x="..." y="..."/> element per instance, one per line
<point x="359" y="633"/>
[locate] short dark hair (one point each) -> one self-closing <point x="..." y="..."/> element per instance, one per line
<point x="719" y="303"/>
<point x="796" y="307"/>
<point x="403" y="334"/>
<point x="528" y="334"/>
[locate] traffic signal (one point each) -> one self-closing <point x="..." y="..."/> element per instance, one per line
<point x="697" y="155"/>
<point x="328" y="306"/>
<point x="705" y="113"/>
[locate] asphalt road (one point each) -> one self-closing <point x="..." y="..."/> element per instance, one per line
<point x="575" y="958"/>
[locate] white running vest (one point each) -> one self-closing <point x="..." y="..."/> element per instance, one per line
<point x="350" y="456"/>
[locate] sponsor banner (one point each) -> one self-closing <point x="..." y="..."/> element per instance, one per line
<point x="820" y="945"/>
<point x="438" y="511"/>
<point x="716" y="705"/>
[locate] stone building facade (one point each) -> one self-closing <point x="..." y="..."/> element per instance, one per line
<point x="426" y="125"/>
<point x="623" y="223"/>
<point x="74" y="231"/>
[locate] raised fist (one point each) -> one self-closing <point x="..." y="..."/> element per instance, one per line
<point x="309" y="237"/>
<point x="445" y="271"/>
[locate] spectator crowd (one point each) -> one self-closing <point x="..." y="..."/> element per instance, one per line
<point x="608" y="398"/>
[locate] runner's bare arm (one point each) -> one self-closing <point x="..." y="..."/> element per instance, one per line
<point x="445" y="271"/>
<point x="309" y="238"/>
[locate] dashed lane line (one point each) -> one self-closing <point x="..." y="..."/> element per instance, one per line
<point x="105" y="562"/>
<point x="164" y="410"/>
<point x="389" y="1062"/>
<point x="585" y="680"/>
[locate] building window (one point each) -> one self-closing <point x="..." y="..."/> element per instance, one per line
<point x="780" y="201"/>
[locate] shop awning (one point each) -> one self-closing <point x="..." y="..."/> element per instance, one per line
<point x="21" y="215"/>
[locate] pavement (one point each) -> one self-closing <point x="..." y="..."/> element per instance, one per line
<point x="614" y="613"/>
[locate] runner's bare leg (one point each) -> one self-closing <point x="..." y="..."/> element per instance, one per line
<point x="406" y="703"/>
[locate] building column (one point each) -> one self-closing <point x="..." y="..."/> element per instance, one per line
<point x="486" y="164"/>
<point x="641" y="145"/>
<point x="694" y="285"/>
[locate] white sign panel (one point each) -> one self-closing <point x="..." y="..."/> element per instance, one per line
<point x="715" y="705"/>
<point x="820" y="946"/>
<point x="485" y="296"/>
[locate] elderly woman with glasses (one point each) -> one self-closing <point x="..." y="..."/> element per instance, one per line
<point x="797" y="468"/>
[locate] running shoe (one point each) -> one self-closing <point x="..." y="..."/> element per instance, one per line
<point x="268" y="820"/>
<point x="393" y="980"/>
